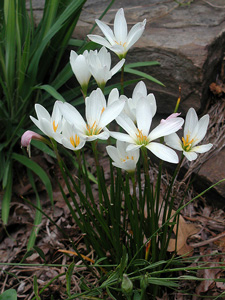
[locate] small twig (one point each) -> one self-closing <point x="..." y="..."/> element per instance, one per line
<point x="203" y="243"/>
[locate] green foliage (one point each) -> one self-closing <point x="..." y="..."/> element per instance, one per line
<point x="9" y="295"/>
<point x="30" y="59"/>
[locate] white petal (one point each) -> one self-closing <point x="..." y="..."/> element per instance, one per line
<point x="151" y="99"/>
<point x="120" y="26"/>
<point x="191" y="122"/>
<point x="163" y="152"/>
<point x="173" y="141"/>
<point x="111" y="113"/>
<point x="107" y="31"/>
<point x="72" y="116"/>
<point x="118" y="49"/>
<point x="36" y="122"/>
<point x="202" y="148"/>
<point x="190" y="155"/>
<point x="163" y="129"/>
<point x="140" y="88"/>
<point x="95" y="104"/>
<point x="133" y="147"/>
<point x="113" y="96"/>
<point x="144" y="115"/>
<point x="42" y="112"/>
<point x="121" y="136"/>
<point x="202" y="128"/>
<point x="127" y="124"/>
<point x="118" y="66"/>
<point x="113" y="153"/>
<point x="135" y="33"/>
<point x="99" y="40"/>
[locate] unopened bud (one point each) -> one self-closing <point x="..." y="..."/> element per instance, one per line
<point x="127" y="285"/>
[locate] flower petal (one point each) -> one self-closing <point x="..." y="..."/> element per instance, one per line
<point x="99" y="40"/>
<point x="202" y="148"/>
<point x="173" y="141"/>
<point x="190" y="155"/>
<point x="118" y="66"/>
<point x="202" y="128"/>
<point x="144" y="115"/>
<point x="107" y="31"/>
<point x="191" y="122"/>
<point x="121" y="136"/>
<point x="42" y="112"/>
<point x="72" y="116"/>
<point x="163" y="129"/>
<point x="163" y="152"/>
<point x="120" y="26"/>
<point x="135" y="33"/>
<point x="111" y="112"/>
<point x="128" y="125"/>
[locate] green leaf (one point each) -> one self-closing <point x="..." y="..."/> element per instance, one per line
<point x="142" y="74"/>
<point x="40" y="252"/>
<point x="7" y="196"/>
<point x="52" y="91"/>
<point x="69" y="274"/>
<point x="9" y="295"/>
<point x="43" y="147"/>
<point x="36" y="292"/>
<point x="37" y="170"/>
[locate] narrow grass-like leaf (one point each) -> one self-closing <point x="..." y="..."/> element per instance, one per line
<point x="52" y="91"/>
<point x="7" y="196"/>
<point x="69" y="274"/>
<point x="142" y="74"/>
<point x="37" y="170"/>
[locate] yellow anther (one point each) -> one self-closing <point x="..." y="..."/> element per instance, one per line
<point x="120" y="43"/>
<point x="142" y="139"/>
<point x="187" y="143"/>
<point x="93" y="130"/>
<point x="75" y="142"/>
<point x="54" y="126"/>
<point x="102" y="110"/>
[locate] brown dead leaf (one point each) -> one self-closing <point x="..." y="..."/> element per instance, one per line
<point x="184" y="231"/>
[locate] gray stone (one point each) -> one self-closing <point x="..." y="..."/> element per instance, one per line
<point x="187" y="40"/>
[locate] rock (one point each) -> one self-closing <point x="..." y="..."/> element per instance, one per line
<point x="187" y="40"/>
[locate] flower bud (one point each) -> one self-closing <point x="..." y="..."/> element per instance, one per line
<point x="127" y="285"/>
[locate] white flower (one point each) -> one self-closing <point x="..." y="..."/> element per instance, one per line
<point x="118" y="41"/>
<point x="100" y="64"/>
<point x="80" y="68"/>
<point x="49" y="125"/>
<point x="140" y="91"/>
<point x="71" y="138"/>
<point x="121" y="158"/>
<point x="98" y="115"/>
<point x="140" y="135"/>
<point x="194" y="132"/>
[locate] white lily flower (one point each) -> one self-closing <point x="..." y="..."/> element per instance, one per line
<point x="194" y="132"/>
<point x="121" y="158"/>
<point x="100" y="64"/>
<point x="140" y="136"/>
<point x="70" y="137"/>
<point x="98" y="115"/>
<point x="80" y="68"/>
<point x="49" y="125"/>
<point x="140" y="91"/>
<point x="118" y="41"/>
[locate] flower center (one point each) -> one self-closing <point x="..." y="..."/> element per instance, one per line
<point x="75" y="142"/>
<point x="93" y="130"/>
<point x="141" y="139"/>
<point x="187" y="143"/>
<point x="120" y="43"/>
<point x="54" y="126"/>
<point x="127" y="158"/>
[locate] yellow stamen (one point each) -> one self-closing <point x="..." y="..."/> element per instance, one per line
<point x="55" y="126"/>
<point x="187" y="143"/>
<point x="102" y="110"/>
<point x="75" y="142"/>
<point x="142" y="139"/>
<point x="93" y="130"/>
<point x="120" y="43"/>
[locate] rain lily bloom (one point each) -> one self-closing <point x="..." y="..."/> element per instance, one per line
<point x="123" y="159"/>
<point x="80" y="69"/>
<point x="98" y="115"/>
<point x="70" y="138"/>
<point x="28" y="136"/>
<point x="194" y="132"/>
<point x="118" y="41"/>
<point x="140" y="136"/>
<point x="100" y="64"/>
<point x="49" y="125"/>
<point x="140" y="91"/>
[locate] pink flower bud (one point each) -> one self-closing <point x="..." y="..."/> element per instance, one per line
<point x="172" y="116"/>
<point x="27" y="137"/>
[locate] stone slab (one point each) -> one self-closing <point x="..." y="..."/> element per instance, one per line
<point x="188" y="41"/>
